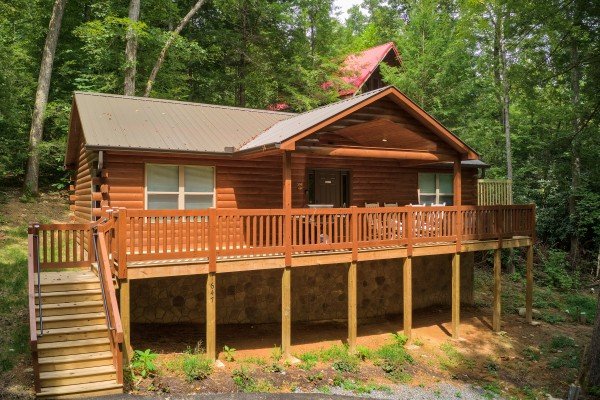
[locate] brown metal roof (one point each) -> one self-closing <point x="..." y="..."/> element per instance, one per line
<point x="291" y="126"/>
<point x="113" y="121"/>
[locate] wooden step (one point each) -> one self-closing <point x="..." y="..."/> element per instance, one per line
<point x="80" y="307"/>
<point x="83" y="390"/>
<point x="74" y="333"/>
<point x="66" y="286"/>
<point x="72" y="320"/>
<point x="78" y="376"/>
<point x="71" y="347"/>
<point x="70" y="296"/>
<point x="85" y="360"/>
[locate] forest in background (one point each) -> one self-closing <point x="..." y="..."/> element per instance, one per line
<point x="485" y="69"/>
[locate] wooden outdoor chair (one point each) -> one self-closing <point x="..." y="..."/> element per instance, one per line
<point x="371" y="205"/>
<point x="390" y="204"/>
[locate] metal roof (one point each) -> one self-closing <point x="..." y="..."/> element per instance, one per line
<point x="113" y="121"/>
<point x="287" y="128"/>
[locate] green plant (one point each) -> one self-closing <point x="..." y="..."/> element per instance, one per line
<point x="276" y="353"/>
<point x="317" y="376"/>
<point x="274" y="367"/>
<point x="418" y="342"/>
<point x="400" y="338"/>
<point x="364" y="353"/>
<point x="246" y="383"/>
<point x="196" y="367"/>
<point x="143" y="362"/>
<point x="324" y="389"/>
<point x="254" y="360"/>
<point x="392" y="358"/>
<point x="334" y="352"/>
<point x="555" y="269"/>
<point x="531" y="353"/>
<point x="492" y="389"/>
<point x="229" y="353"/>
<point x="561" y="342"/>
<point x="359" y="387"/>
<point x="346" y="363"/>
<point x="308" y="361"/>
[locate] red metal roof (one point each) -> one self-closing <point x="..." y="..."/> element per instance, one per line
<point x="358" y="67"/>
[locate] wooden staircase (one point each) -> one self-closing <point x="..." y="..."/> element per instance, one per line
<point x="74" y="357"/>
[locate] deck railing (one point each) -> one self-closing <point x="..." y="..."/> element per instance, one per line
<point x="177" y="234"/>
<point x="491" y="192"/>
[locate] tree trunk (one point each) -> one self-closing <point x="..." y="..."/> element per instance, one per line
<point x="575" y="155"/>
<point x="591" y="369"/>
<point x="131" y="49"/>
<point x="31" y="184"/>
<point x="168" y="43"/>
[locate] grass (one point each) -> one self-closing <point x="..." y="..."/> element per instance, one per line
<point x="308" y="360"/>
<point x="359" y="387"/>
<point x="193" y="366"/>
<point x="248" y="384"/>
<point x="454" y="359"/>
<point x="13" y="295"/>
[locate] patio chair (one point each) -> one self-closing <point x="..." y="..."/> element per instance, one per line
<point x="390" y="204"/>
<point x="371" y="205"/>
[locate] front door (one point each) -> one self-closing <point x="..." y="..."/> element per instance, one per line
<point x="328" y="187"/>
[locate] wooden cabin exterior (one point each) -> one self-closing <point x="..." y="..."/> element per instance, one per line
<point x="187" y="204"/>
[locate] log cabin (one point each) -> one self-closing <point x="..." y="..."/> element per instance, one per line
<point x="196" y="213"/>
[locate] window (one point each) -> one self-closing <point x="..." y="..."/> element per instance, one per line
<point x="173" y="187"/>
<point x="436" y="189"/>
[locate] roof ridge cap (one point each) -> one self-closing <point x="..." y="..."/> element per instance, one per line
<point x="158" y="100"/>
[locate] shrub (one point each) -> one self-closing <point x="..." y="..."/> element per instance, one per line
<point x="347" y="363"/>
<point x="229" y="353"/>
<point x="561" y="342"/>
<point x="143" y="362"/>
<point x="196" y="367"/>
<point x="555" y="268"/>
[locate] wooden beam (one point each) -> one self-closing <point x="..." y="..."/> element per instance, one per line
<point x="352" y="306"/>
<point x="287" y="207"/>
<point x="286" y="312"/>
<point x="407" y="299"/>
<point x="497" y="291"/>
<point x="457" y="200"/>
<point x="374" y="153"/>
<point x="455" y="295"/>
<point x="125" y="310"/>
<point x="529" y="288"/>
<point x="211" y="315"/>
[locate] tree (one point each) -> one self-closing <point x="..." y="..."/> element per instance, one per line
<point x="591" y="368"/>
<point x="131" y="49"/>
<point x="31" y="184"/>
<point x="168" y="43"/>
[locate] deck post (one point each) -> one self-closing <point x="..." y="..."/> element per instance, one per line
<point x="455" y="295"/>
<point x="407" y="300"/>
<point x="286" y="277"/>
<point x="529" y="288"/>
<point x="497" y="291"/>
<point x="211" y="315"/>
<point x="286" y="312"/>
<point x="457" y="200"/>
<point x="125" y="310"/>
<point x="352" y="306"/>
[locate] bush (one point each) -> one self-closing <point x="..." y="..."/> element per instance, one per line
<point x="347" y="363"/>
<point x="196" y="367"/>
<point x="555" y="269"/>
<point x="393" y="358"/>
<point x="143" y="362"/>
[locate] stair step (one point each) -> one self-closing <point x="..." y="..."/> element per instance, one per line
<point x="72" y="320"/>
<point x="81" y="390"/>
<point x="78" y="376"/>
<point x="79" y="307"/>
<point x="74" y="361"/>
<point x="66" y="286"/>
<point x="70" y="296"/>
<point x="73" y="333"/>
<point x="71" y="347"/>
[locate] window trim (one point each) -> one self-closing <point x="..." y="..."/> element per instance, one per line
<point x="181" y="184"/>
<point x="437" y="193"/>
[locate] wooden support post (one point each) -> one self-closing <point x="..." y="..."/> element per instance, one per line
<point x="457" y="200"/>
<point x="497" y="290"/>
<point x="211" y="315"/>
<point x="125" y="305"/>
<point x="455" y="295"/>
<point x="352" y="311"/>
<point x="286" y="312"/>
<point x="529" y="289"/>
<point x="407" y="300"/>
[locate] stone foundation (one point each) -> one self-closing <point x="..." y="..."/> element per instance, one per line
<point x="318" y="293"/>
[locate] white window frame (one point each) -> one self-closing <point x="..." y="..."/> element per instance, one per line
<point x="437" y="193"/>
<point x="181" y="192"/>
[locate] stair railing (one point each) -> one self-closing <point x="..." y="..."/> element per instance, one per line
<point x="33" y="266"/>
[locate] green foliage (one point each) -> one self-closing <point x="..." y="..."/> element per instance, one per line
<point x="555" y="269"/>
<point x="196" y="367"/>
<point x="531" y="353"/>
<point x="229" y="353"/>
<point x="359" y="387"/>
<point x="393" y="358"/>
<point x="308" y="360"/>
<point x="347" y="363"/>
<point x="248" y="384"/>
<point x="143" y="362"/>
<point x="560" y="342"/>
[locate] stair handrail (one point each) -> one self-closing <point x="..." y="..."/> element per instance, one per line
<point x="33" y="265"/>
<point x="109" y="298"/>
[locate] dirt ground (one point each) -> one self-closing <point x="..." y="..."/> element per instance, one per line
<point x="485" y="357"/>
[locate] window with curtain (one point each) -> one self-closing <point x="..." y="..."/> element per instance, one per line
<point x="436" y="189"/>
<point x="179" y="187"/>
